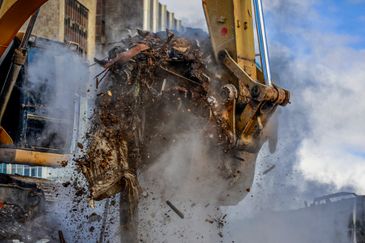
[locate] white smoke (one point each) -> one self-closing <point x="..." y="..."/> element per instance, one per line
<point x="186" y="174"/>
<point x="59" y="78"/>
<point x="326" y="74"/>
<point x="57" y="82"/>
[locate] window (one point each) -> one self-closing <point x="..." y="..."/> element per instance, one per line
<point x="26" y="170"/>
<point x="3" y="168"/>
<point x="13" y="169"/>
<point x="19" y="169"/>
<point x="76" y="23"/>
<point x="39" y="171"/>
<point x="34" y="172"/>
<point x="100" y="21"/>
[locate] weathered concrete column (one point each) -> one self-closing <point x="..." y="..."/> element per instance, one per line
<point x="163" y="17"/>
<point x="154" y="15"/>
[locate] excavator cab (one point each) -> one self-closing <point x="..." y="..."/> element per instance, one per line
<point x="35" y="124"/>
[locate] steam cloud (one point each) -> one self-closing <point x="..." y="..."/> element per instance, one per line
<point x="58" y="78"/>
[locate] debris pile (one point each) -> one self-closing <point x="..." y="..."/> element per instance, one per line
<point x="22" y="214"/>
<point x="153" y="87"/>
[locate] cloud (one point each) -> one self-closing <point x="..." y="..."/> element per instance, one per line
<point x="335" y="110"/>
<point x="329" y="81"/>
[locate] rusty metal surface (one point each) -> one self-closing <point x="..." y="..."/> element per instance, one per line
<point x="5" y="137"/>
<point x="123" y="57"/>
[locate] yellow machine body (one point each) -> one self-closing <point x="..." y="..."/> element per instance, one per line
<point x="13" y="14"/>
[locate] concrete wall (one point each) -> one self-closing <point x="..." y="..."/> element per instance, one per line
<point x="179" y="25"/>
<point x="91" y="29"/>
<point x="154" y="15"/>
<point x="48" y="23"/>
<point x="171" y="20"/>
<point x="146" y="15"/>
<point x="163" y="17"/>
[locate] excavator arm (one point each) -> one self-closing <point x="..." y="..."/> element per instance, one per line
<point x="249" y="96"/>
<point x="231" y="28"/>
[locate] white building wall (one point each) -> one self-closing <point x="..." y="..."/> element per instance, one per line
<point x="170" y="20"/>
<point x="163" y="17"/>
<point x="173" y="23"/>
<point x="154" y="15"/>
<point x="178" y="25"/>
<point x="146" y="14"/>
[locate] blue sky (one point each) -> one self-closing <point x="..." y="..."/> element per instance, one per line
<point x="340" y="17"/>
<point x="345" y="17"/>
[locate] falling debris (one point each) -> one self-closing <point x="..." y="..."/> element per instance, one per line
<point x="156" y="87"/>
<point x="80" y="145"/>
<point x="177" y="211"/>
<point x="62" y="238"/>
<point x="94" y="217"/>
<point x="269" y="169"/>
<point x="150" y="74"/>
<point x="220" y="222"/>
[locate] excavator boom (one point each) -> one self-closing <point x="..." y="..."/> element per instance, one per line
<point x="13" y="14"/>
<point x="231" y="26"/>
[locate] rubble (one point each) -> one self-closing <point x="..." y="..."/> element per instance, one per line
<point x="61" y="237"/>
<point x="177" y="211"/>
<point x="148" y="73"/>
<point x="269" y="170"/>
<point x="22" y="210"/>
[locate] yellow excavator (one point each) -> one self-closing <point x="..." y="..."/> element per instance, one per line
<point x="13" y="56"/>
<point x="251" y="97"/>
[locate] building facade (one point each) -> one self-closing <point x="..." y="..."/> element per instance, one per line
<point x="68" y="21"/>
<point x="94" y="25"/>
<point x="117" y="19"/>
